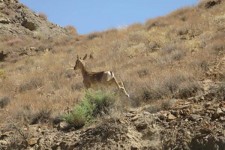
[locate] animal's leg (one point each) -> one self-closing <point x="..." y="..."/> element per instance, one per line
<point x="120" y="87"/>
<point x="87" y="85"/>
<point x="124" y="90"/>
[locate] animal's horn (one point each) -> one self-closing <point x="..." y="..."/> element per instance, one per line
<point x="85" y="57"/>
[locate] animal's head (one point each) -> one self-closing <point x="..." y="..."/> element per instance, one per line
<point x="80" y="62"/>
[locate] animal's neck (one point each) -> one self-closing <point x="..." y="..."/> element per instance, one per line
<point x="84" y="71"/>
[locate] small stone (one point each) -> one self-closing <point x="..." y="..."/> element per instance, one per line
<point x="134" y="118"/>
<point x="33" y="141"/>
<point x="4" y="20"/>
<point x="205" y="131"/>
<point x="207" y="104"/>
<point x="146" y="113"/>
<point x="219" y="111"/>
<point x="3" y="142"/>
<point x="141" y="125"/>
<point x="194" y="117"/>
<point x="222" y="118"/>
<point x="134" y="148"/>
<point x="63" y="125"/>
<point x="130" y="115"/>
<point x="223" y="109"/>
<point x="175" y="113"/>
<point x="171" y="117"/>
<point x="162" y="116"/>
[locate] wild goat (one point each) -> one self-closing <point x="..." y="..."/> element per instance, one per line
<point x="102" y="77"/>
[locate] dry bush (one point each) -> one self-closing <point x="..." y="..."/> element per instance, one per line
<point x="171" y="53"/>
<point x="221" y="91"/>
<point x="135" y="27"/>
<point x="159" y="22"/>
<point x="43" y="16"/>
<point x="138" y="37"/>
<point x="217" y="44"/>
<point x="94" y="35"/>
<point x="4" y="101"/>
<point x="72" y="30"/>
<point x="30" y="108"/>
<point x="170" y="84"/>
<point x="209" y="3"/>
<point x="31" y="84"/>
<point x="182" y="14"/>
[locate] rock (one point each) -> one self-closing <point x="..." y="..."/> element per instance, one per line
<point x="146" y="113"/>
<point x="171" y="117"/>
<point x="3" y="142"/>
<point x="194" y="117"/>
<point x="130" y="115"/>
<point x="175" y="113"/>
<point x="64" y="125"/>
<point x="162" y="116"/>
<point x="212" y="3"/>
<point x="33" y="141"/>
<point x="219" y="111"/>
<point x="205" y="131"/>
<point x="4" y="20"/>
<point x="134" y="148"/>
<point x="223" y="109"/>
<point x="207" y="104"/>
<point x="134" y="118"/>
<point x="5" y="135"/>
<point x="222" y="118"/>
<point x="29" y="25"/>
<point x="3" y="56"/>
<point x="141" y="125"/>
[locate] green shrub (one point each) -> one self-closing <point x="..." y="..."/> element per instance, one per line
<point x="2" y="73"/>
<point x="94" y="103"/>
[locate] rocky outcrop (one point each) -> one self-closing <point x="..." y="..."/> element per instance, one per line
<point x="19" y="26"/>
<point x="17" y="19"/>
<point x="195" y="123"/>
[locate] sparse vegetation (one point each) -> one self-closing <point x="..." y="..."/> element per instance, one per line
<point x="43" y="16"/>
<point x="2" y="73"/>
<point x="94" y="103"/>
<point x="163" y="60"/>
<point x="4" y="101"/>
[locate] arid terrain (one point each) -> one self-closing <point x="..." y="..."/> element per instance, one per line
<point x="173" y="68"/>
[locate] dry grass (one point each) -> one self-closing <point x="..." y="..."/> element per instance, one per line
<point x="43" y="16"/>
<point x="161" y="59"/>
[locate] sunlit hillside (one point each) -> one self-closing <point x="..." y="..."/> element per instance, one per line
<point x="165" y="60"/>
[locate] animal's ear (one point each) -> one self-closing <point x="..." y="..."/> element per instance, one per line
<point x="85" y="57"/>
<point x="91" y="56"/>
<point x="77" y="57"/>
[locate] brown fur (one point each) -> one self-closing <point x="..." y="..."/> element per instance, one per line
<point x="92" y="78"/>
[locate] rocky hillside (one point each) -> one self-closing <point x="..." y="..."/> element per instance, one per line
<point x="173" y="67"/>
<point x="22" y="30"/>
<point x="18" y="20"/>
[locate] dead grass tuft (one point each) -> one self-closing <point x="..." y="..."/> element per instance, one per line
<point x="4" y="101"/>
<point x="32" y="84"/>
<point x="43" y="16"/>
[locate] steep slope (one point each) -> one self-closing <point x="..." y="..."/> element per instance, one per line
<point x="16" y="19"/>
<point x="173" y="67"/>
<point x="23" y="31"/>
